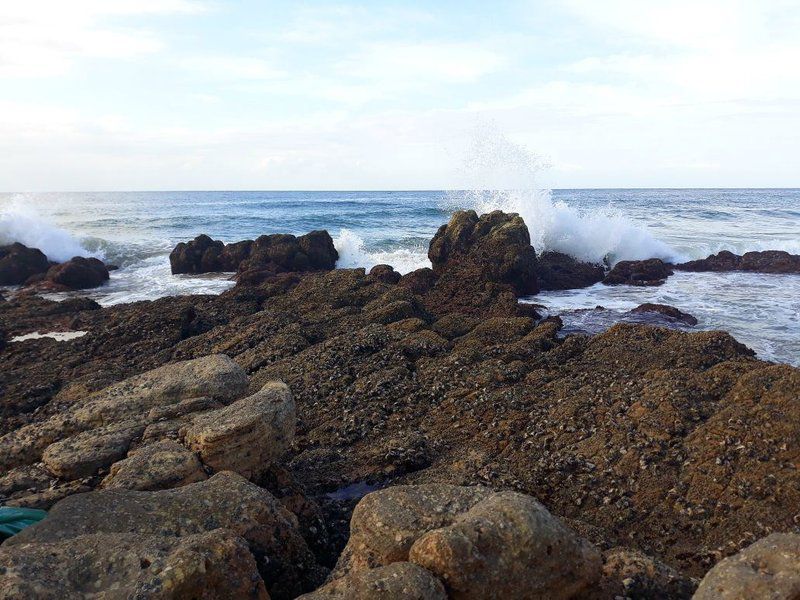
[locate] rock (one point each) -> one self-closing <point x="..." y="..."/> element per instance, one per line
<point x="652" y="271"/>
<point x="454" y="325"/>
<point x="769" y="568"/>
<point x="767" y="261"/>
<point x="84" y="454"/>
<point x="18" y="263"/>
<point x="493" y="248"/>
<point x="631" y="574"/>
<point x="226" y="500"/>
<point x="481" y="544"/>
<point x="557" y="271"/>
<point x="397" y="581"/>
<point x="420" y="281"/>
<point x="248" y="435"/>
<point x="159" y="466"/>
<point x="216" y="564"/>
<point x="668" y="311"/>
<point x="385" y="273"/>
<point x="269" y="254"/>
<point x="79" y="273"/>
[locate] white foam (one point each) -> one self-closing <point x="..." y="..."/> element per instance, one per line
<point x="21" y="223"/>
<point x="353" y="254"/>
<point x="59" y="336"/>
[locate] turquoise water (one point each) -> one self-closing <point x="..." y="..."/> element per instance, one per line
<point x="136" y="230"/>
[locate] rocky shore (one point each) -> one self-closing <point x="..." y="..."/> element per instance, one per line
<point x="341" y="434"/>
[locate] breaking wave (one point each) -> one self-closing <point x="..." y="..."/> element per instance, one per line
<point x="353" y="253"/>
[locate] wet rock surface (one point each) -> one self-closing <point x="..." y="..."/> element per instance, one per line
<point x="558" y="271"/>
<point x="652" y="271"/>
<point x="78" y="273"/>
<point x="667" y="311"/>
<point x="18" y="263"/>
<point x="675" y="446"/>
<point x="767" y="261"/>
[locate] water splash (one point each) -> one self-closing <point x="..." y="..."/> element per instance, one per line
<point x="353" y="253"/>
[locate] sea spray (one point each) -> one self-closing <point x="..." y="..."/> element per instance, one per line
<point x="502" y="175"/>
<point x="353" y="253"/>
<point x="21" y="223"/>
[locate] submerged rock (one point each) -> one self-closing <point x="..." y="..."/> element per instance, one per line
<point x="767" y="261"/>
<point x="652" y="271"/>
<point x="18" y="263"/>
<point x="557" y="271"/>
<point x="668" y="311"/>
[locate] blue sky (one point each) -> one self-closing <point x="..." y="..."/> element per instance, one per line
<point x="209" y="94"/>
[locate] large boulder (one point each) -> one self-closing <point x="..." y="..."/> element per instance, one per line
<point x="397" y="581"/>
<point x="769" y="568"/>
<point x="226" y="500"/>
<point x="767" y="261"/>
<point x="248" y="435"/>
<point x="558" y="271"/>
<point x="159" y="466"/>
<point x="481" y="544"/>
<point x="18" y="263"/>
<point x="652" y="271"/>
<point x="79" y="273"/>
<point x="269" y="254"/>
<point x="495" y="247"/>
<point x="212" y="565"/>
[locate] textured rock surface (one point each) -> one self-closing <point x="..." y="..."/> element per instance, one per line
<point x="398" y="581"/>
<point x="226" y="500"/>
<point x="767" y="261"/>
<point x="557" y="271"/>
<point x="652" y="271"/>
<point x="630" y="574"/>
<point x="769" y="568"/>
<point x="18" y="263"/>
<point x="212" y="565"/>
<point x="159" y="466"/>
<point x="481" y="544"/>
<point x="495" y="247"/>
<point x="278" y="253"/>
<point x="668" y="311"/>
<point x="248" y="435"/>
<point x="79" y="273"/>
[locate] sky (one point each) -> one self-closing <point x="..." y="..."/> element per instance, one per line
<point x="215" y="94"/>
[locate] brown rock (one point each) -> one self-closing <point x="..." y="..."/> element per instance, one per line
<point x="769" y="568"/>
<point x="652" y="271"/>
<point x="670" y="312"/>
<point x="558" y="271"/>
<point x="159" y="466"/>
<point x="631" y="574"/>
<point x="212" y="565"/>
<point x="385" y="273"/>
<point x="398" y="581"/>
<point x="79" y="273"/>
<point x="18" y="263"/>
<point x="248" y="435"/>
<point x="420" y="281"/>
<point x="767" y="261"/>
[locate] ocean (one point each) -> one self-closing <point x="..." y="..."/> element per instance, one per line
<point x="137" y="230"/>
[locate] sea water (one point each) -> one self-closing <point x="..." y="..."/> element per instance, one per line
<point x="137" y="230"/>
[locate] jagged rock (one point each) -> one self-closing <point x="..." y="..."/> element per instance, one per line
<point x="385" y="273"/>
<point x="668" y="311"/>
<point x="84" y="454"/>
<point x="558" y="271"/>
<point x="269" y="254"/>
<point x="159" y="466"/>
<point x="18" y="263"/>
<point x="397" y="581"/>
<point x="652" y="271"/>
<point x="481" y="544"/>
<point x="767" y="261"/>
<point x="226" y="500"/>
<point x="212" y="565"/>
<point x="79" y="273"/>
<point x="769" y="568"/>
<point x="248" y="435"/>
<point x="495" y="247"/>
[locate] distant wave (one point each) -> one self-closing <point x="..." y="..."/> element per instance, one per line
<point x="20" y="223"/>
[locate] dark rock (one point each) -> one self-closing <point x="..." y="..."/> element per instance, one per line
<point x="668" y="311"/>
<point x="557" y="271"/>
<point x="652" y="271"/>
<point x="18" y="263"/>
<point x="385" y="273"/>
<point x="420" y="281"/>
<point x="79" y="273"/>
<point x="495" y="247"/>
<point x="256" y="260"/>
<point x="768" y="261"/>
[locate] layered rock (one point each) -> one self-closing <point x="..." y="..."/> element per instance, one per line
<point x="652" y="271"/>
<point x="254" y="260"/>
<point x="769" y="568"/>
<point x="767" y="261"/>
<point x="558" y="271"/>
<point x="18" y="263"/>
<point x="481" y="544"/>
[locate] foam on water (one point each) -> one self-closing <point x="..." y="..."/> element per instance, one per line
<point x="353" y="253"/>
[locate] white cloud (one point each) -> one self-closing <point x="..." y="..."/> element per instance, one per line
<point x="41" y="38"/>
